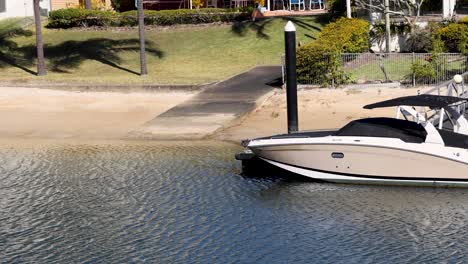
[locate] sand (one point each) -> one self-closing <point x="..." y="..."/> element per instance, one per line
<point x="318" y="109"/>
<point x="53" y="114"/>
<point x="30" y="113"/>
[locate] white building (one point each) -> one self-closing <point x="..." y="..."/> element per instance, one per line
<point x="448" y="7"/>
<point x="22" y="8"/>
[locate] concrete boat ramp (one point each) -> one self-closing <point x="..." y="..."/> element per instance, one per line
<point x="215" y="107"/>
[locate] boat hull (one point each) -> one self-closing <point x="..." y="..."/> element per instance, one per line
<point x="369" y="180"/>
<point x="367" y="160"/>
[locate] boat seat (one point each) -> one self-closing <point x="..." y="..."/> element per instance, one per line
<point x="452" y="139"/>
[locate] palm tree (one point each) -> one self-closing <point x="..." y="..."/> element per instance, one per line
<point x="41" y="69"/>
<point x="88" y="4"/>
<point x="141" y="31"/>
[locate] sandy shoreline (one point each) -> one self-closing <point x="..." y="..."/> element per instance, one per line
<point x="318" y="109"/>
<point x="30" y="113"/>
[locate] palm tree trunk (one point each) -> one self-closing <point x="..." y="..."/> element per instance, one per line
<point x="141" y="32"/>
<point x="41" y="69"/>
<point x="387" y="26"/>
<point x="88" y="4"/>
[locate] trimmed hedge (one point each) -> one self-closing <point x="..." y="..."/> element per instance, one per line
<point x="77" y="17"/>
<point x="184" y="16"/>
<point x="320" y="60"/>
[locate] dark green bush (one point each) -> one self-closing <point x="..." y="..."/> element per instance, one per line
<point x="431" y="6"/>
<point x="116" y="4"/>
<point x="320" y="64"/>
<point x="73" y="17"/>
<point x="320" y="60"/>
<point x="337" y="8"/>
<point x="420" y="41"/>
<point x="423" y="71"/>
<point x="430" y="69"/>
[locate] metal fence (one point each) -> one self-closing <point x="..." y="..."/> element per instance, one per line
<point x="406" y="68"/>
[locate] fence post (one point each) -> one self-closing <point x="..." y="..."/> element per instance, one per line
<point x="283" y="70"/>
<point x="412" y="68"/>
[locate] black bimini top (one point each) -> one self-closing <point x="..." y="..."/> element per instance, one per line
<point x="426" y="100"/>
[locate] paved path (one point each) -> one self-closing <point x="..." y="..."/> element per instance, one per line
<point x="215" y="107"/>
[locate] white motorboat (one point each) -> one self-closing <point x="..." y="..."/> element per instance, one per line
<point x="408" y="151"/>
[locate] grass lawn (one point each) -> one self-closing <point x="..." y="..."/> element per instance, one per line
<point x="396" y="69"/>
<point x="179" y="55"/>
<point x="400" y="69"/>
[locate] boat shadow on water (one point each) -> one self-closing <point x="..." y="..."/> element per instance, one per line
<point x="259" y="169"/>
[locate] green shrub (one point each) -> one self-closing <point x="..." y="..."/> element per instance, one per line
<point x="320" y="60"/>
<point x="429" y="70"/>
<point x="320" y="64"/>
<point x="451" y="35"/>
<point x="423" y="72"/>
<point x="73" y="17"/>
<point x="347" y="35"/>
<point x="463" y="20"/>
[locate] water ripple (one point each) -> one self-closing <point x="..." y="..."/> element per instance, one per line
<point x="185" y="202"/>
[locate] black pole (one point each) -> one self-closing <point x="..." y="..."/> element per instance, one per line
<point x="291" y="76"/>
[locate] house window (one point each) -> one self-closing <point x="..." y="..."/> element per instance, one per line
<point x="2" y="6"/>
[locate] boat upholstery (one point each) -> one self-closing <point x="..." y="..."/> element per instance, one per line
<point x="407" y="131"/>
<point x="452" y="139"/>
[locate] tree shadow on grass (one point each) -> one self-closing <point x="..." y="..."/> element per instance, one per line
<point x="66" y="55"/>
<point x="242" y="27"/>
<point x="9" y="51"/>
<point x="71" y="54"/>
<point x="259" y="26"/>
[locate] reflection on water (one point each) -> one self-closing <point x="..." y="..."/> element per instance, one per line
<point x="186" y="203"/>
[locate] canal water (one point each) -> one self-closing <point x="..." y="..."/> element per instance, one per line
<point x="186" y="202"/>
